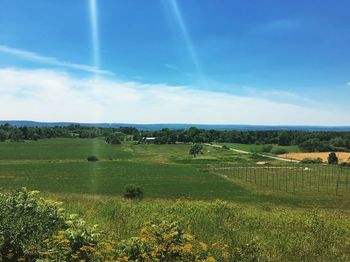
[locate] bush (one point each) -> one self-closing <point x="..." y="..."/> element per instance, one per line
<point x="133" y="192"/>
<point x="267" y="148"/>
<point x="25" y="221"/>
<point x="312" y="161"/>
<point x="168" y="242"/>
<point x="92" y="159"/>
<point x="225" y="147"/>
<point x="332" y="158"/>
<point x="279" y="151"/>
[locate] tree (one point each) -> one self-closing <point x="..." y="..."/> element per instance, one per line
<point x="196" y="149"/>
<point x="3" y="135"/>
<point x="16" y="135"/>
<point x="332" y="159"/>
<point x="115" y="138"/>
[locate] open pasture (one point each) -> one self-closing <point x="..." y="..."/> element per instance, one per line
<point x="163" y="171"/>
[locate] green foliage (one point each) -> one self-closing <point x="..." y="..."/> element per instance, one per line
<point x="315" y="145"/>
<point x="267" y="148"/>
<point x="312" y="161"/>
<point x="26" y="220"/>
<point x="3" y="135"/>
<point x="196" y="149"/>
<point x="225" y="147"/>
<point x="164" y="242"/>
<point x="332" y="158"/>
<point x="34" y="229"/>
<point x="133" y="192"/>
<point x="92" y="158"/>
<point x="279" y="151"/>
<point x="115" y="138"/>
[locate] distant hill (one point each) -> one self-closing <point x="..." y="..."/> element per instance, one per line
<point x="152" y="127"/>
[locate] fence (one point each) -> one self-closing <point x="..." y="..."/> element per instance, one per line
<point x="306" y="179"/>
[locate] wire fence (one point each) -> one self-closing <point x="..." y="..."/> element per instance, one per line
<point x="297" y="179"/>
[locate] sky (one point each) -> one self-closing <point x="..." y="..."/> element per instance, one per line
<point x="271" y="62"/>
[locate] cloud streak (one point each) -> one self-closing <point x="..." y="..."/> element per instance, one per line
<point x="47" y="95"/>
<point x="51" y="60"/>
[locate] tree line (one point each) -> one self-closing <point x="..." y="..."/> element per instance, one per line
<point x="317" y="141"/>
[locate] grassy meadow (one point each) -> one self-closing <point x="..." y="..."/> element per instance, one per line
<point x="214" y="206"/>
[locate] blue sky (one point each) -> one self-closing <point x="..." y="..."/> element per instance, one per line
<point x="278" y="54"/>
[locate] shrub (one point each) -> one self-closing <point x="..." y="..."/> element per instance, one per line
<point x="312" y="161"/>
<point x="133" y="192"/>
<point x="168" y="242"/>
<point x="92" y="159"/>
<point x="332" y="159"/>
<point x="279" y="151"/>
<point x="225" y="147"/>
<point x="267" y="148"/>
<point x="25" y="221"/>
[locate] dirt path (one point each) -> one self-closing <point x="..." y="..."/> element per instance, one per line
<point x="247" y="152"/>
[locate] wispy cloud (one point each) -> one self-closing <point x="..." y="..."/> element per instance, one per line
<point x="47" y="95"/>
<point x="51" y="60"/>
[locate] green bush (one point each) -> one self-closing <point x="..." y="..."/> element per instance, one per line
<point x="133" y="192"/>
<point x="332" y="158"/>
<point x="267" y="148"/>
<point x="225" y="147"/>
<point x="312" y="161"/>
<point x="25" y="221"/>
<point x="92" y="159"/>
<point x="279" y="151"/>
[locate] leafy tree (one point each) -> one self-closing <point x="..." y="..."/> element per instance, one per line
<point x="332" y="159"/>
<point x="196" y="149"/>
<point x="3" y="135"/>
<point x="16" y="135"/>
<point x="115" y="138"/>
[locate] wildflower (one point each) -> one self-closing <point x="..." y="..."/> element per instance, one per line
<point x="203" y="246"/>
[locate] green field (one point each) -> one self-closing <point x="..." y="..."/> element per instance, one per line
<point x="216" y="204"/>
<point x="60" y="165"/>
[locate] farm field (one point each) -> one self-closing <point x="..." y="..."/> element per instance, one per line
<point x="163" y="171"/>
<point x="222" y="197"/>
<point x="342" y="156"/>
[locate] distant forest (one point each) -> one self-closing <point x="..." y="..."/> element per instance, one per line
<point x="317" y="141"/>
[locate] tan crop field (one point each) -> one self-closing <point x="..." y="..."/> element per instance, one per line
<point x="342" y="156"/>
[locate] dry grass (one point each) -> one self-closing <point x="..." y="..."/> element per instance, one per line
<point x="342" y="156"/>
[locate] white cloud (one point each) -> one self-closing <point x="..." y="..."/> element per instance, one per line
<point x="50" y="60"/>
<point x="48" y="95"/>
